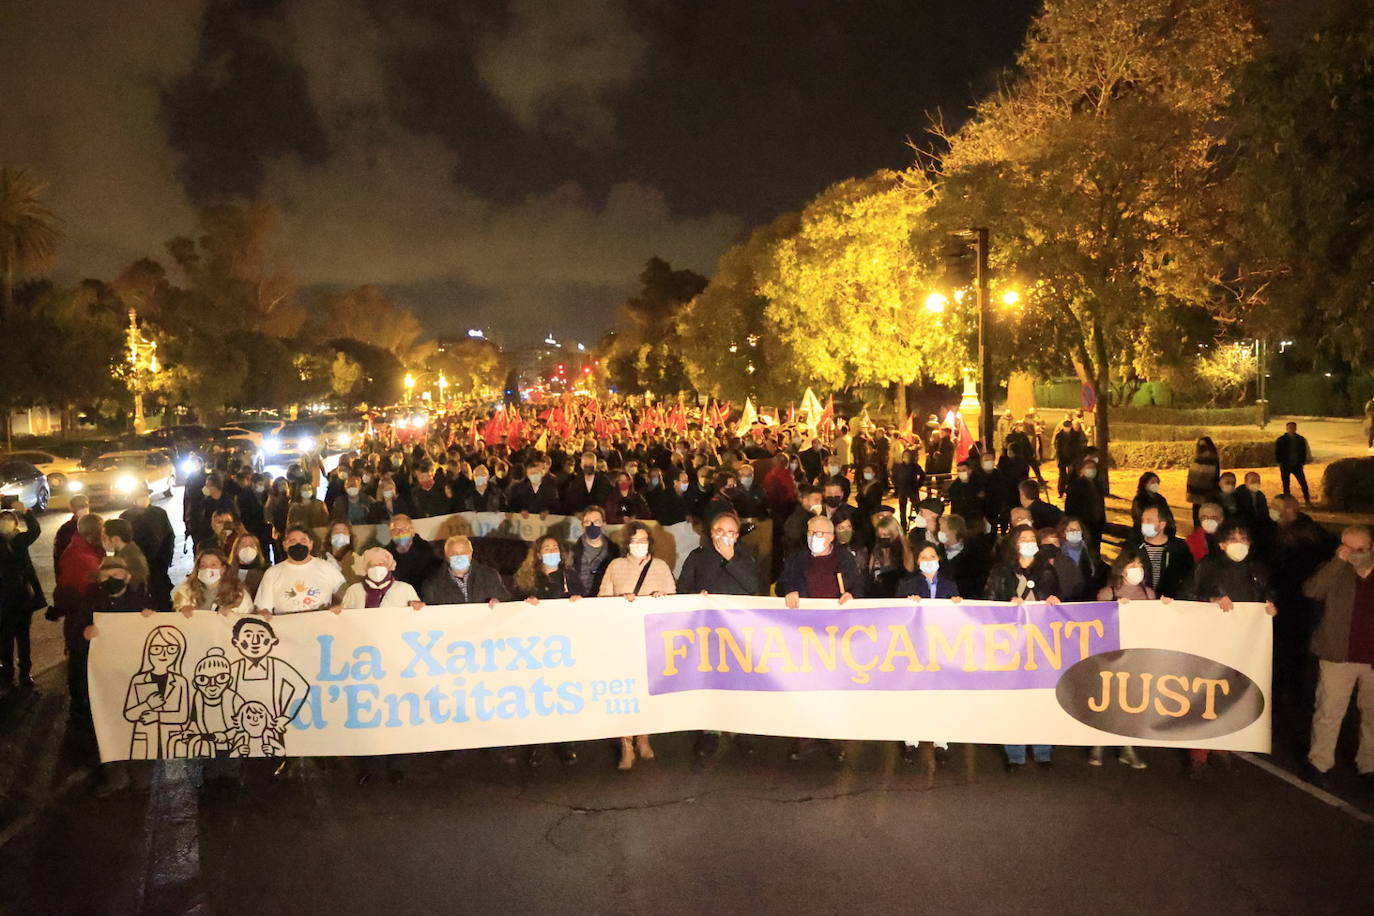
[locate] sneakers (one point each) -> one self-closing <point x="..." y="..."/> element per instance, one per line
<point x="1129" y="757"/>
<point x="1095" y="757"/>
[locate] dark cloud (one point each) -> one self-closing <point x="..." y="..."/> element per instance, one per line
<point x="499" y="161"/>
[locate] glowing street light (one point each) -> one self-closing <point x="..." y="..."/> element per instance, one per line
<point x="936" y="302"/>
<point x="409" y="383"/>
<point x="1011" y="298"/>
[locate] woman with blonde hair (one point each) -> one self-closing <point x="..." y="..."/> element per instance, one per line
<point x="212" y="586"/>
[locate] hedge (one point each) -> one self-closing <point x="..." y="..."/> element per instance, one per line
<point x="1150" y="432"/>
<point x="1179" y="416"/>
<point x="1155" y="455"/>
<point x="1348" y="485"/>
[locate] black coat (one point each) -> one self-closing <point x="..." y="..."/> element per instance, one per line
<point x="916" y="583"/>
<point x="483" y="584"/>
<point x="705" y="570"/>
<point x="1084" y="502"/>
<point x="576" y="497"/>
<point x="1002" y="580"/>
<point x="592" y="586"/>
<point x="417" y="564"/>
<point x="20" y="592"/>
<point x="1177" y="566"/>
<point x="1219" y="576"/>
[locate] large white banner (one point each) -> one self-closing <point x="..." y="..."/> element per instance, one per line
<point x="401" y="681"/>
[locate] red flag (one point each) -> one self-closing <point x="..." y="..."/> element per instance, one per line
<point x="826" y="423"/>
<point x="515" y="433"/>
<point x="965" y="441"/>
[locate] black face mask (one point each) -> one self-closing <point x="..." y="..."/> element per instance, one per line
<point x="593" y="532"/>
<point x="589" y="469"/>
<point x="298" y="552"/>
<point x="113" y="586"/>
<point x="834" y="502"/>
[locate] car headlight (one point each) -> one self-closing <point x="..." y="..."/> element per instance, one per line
<point x="419" y="421"/>
<point x="188" y="465"/>
<point x="306" y="444"/>
<point x="402" y="422"/>
<point x="125" y="484"/>
<point x="271" y="444"/>
<point x="75" y="486"/>
<point x="343" y="440"/>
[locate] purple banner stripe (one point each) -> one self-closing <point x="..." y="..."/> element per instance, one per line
<point x="924" y="646"/>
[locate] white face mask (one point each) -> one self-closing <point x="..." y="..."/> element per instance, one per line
<point x="388" y="494"/>
<point x="535" y="480"/>
<point x="1089" y="473"/>
<point x="1134" y="575"/>
<point x="639" y="550"/>
<point x="989" y="465"/>
<point x="963" y="476"/>
<point x="1148" y="530"/>
<point x="1152" y="487"/>
<point x="919" y="521"/>
<point x="868" y="475"/>
<point x="248" y="555"/>
<point x="746" y="482"/>
<point x="1210" y="525"/>
<point x="1237" y="550"/>
<point x="307" y="492"/>
<point x="1276" y="515"/>
<point x="930" y="567"/>
<point x="942" y="537"/>
<point x="727" y="540"/>
<point x="1073" y="537"/>
<point x="378" y="573"/>
<point x="480" y="480"/>
<point x="817" y="543"/>
<point x="1027" y="549"/>
<point x="353" y="491"/>
<point x="832" y="469"/>
<point x="339" y="541"/>
<point x="210" y="577"/>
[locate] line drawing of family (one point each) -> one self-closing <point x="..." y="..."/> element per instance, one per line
<point x="225" y="709"/>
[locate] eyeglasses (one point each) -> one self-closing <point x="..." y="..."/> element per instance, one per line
<point x="164" y="650"/>
<point x="205" y="680"/>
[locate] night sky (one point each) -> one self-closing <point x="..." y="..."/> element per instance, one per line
<point x="503" y="162"/>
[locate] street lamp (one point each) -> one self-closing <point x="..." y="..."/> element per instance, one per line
<point x="410" y="386"/>
<point x="936" y="302"/>
<point x="443" y="386"/>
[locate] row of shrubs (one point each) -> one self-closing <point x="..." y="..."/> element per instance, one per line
<point x="1160" y="454"/>
<point x="1153" y="432"/>
<point x="1188" y="416"/>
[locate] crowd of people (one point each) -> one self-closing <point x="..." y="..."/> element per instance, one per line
<point x="857" y="511"/>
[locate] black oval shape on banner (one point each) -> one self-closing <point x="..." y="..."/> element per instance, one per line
<point x="1169" y="695"/>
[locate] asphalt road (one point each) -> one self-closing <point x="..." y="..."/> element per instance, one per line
<point x="466" y="833"/>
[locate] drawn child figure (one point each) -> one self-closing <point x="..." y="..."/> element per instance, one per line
<point x="158" y="701"/>
<point x="255" y="736"/>
<point x="214" y="707"/>
<point x="259" y="676"/>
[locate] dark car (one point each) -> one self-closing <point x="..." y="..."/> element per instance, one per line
<point x="184" y="442"/>
<point x="24" y="481"/>
<point x="303" y="436"/>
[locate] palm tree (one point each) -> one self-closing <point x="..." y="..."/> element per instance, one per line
<point x="28" y="231"/>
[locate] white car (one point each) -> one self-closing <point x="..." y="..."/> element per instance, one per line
<point x="111" y="479"/>
<point x="59" y="462"/>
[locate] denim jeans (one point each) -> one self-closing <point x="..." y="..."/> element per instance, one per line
<point x="1016" y="753"/>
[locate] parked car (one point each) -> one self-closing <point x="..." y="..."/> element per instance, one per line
<point x="22" y="480"/>
<point x="111" y="479"/>
<point x="57" y="462"/>
<point x="342" y="435"/>
<point x="183" y="442"/>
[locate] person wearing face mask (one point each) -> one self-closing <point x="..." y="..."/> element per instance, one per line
<point x="1078" y="564"/>
<point x="592" y="552"/>
<point x="809" y="505"/>
<point x="624" y="504"/>
<point x="1069" y="443"/>
<point x="1147" y="496"/>
<point x="966" y="493"/>
<point x="338" y="551"/>
<point x="305" y="511"/>
<point x="537" y="493"/>
<point x="1084" y="501"/>
<point x="966" y="557"/>
<point x="378" y="586"/>
<point x="1024" y="573"/>
<point x="75" y="580"/>
<point x="907" y="478"/>
<point x="1226" y="495"/>
<point x="485" y="495"/>
<point x="1170" y="562"/>
<point x="1252" y="510"/>
<point x="1204" y="475"/>
<point x="672" y="502"/>
<point x="749" y="498"/>
<point x="212" y="586"/>
<point x="249" y="562"/>
<point x="543" y="574"/>
<point x="251" y="503"/>
<point x="1230" y="576"/>
<point x="1343" y="643"/>
<point x="1202" y="542"/>
<point x="460" y="580"/>
<point x="277" y="505"/>
<point x="212" y="499"/>
<point x="822" y="568"/>
<point x="833" y="499"/>
<point x="152" y="532"/>
<point x="390" y="502"/>
<point x="302" y="582"/>
<point x="1126" y="582"/>
<point x="416" y="558"/>
<point x="429" y="497"/>
<point x="996" y="486"/>
<point x="637" y="573"/>
<point x="930" y="579"/>
<point x="588" y="487"/>
<point x="889" y="559"/>
<point x="353" y="506"/>
<point x="925" y="525"/>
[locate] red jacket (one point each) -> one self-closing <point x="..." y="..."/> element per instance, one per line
<point x="780" y="489"/>
<point x="76" y="570"/>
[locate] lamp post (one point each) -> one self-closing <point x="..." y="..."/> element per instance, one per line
<point x="409" y="383"/>
<point x="937" y="301"/>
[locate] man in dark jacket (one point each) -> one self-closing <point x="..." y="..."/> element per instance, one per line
<point x="461" y="581"/>
<point x="1232" y="574"/>
<point x="1043" y="515"/>
<point x="1170" y="560"/>
<point x="1291" y="454"/>
<point x="154" y="536"/>
<point x="821" y="569"/>
<point x="591" y="553"/>
<point x="585" y="488"/>
<point x="1069" y="443"/>
<point x="723" y="566"/>
<point x="428" y="497"/>
<point x="536" y="494"/>
<point x="415" y="557"/>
